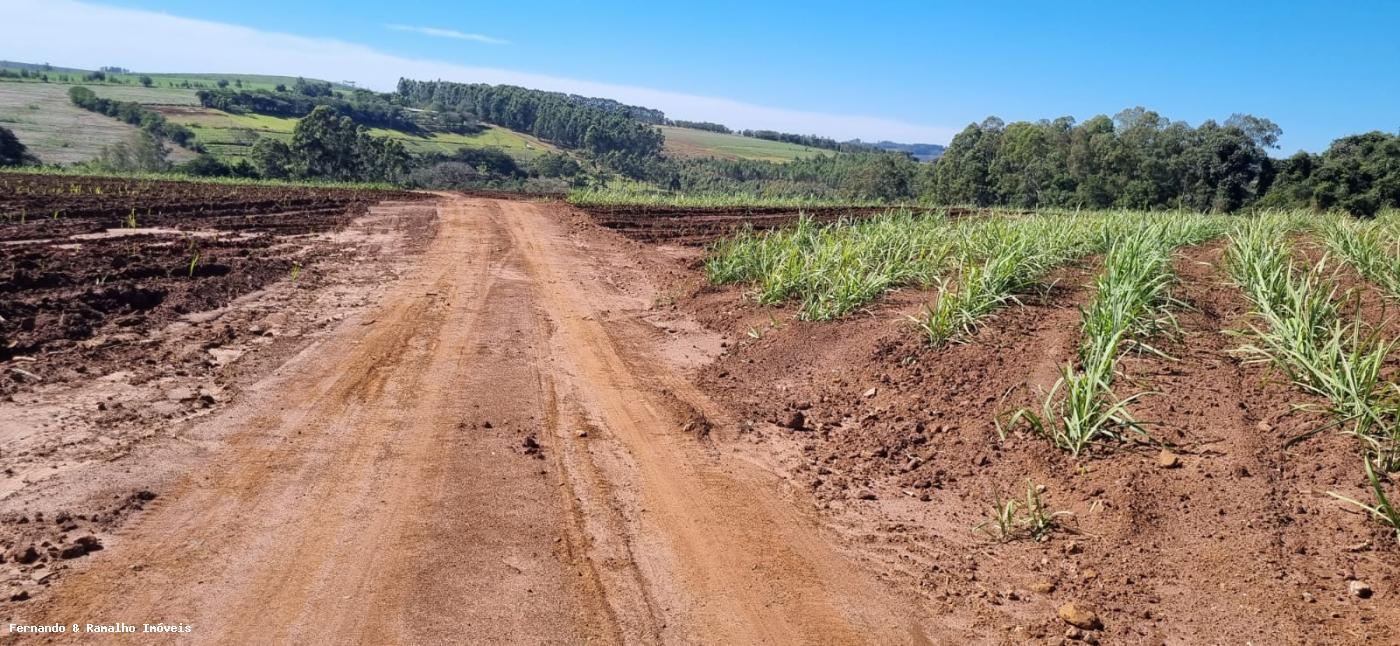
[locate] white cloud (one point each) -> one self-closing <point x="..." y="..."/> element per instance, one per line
<point x="79" y="34"/>
<point x="448" y="33"/>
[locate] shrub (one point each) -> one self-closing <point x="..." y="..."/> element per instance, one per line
<point x="12" y="151"/>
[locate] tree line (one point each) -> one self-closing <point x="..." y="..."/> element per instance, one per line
<point x="135" y="114"/>
<point x="368" y="108"/>
<point x="1359" y="174"/>
<point x="700" y="125"/>
<point x="1138" y="159"/>
<point x="862" y="175"/>
<point x="552" y="116"/>
<point x="810" y="141"/>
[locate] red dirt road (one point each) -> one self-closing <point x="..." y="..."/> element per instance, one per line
<point x="501" y="453"/>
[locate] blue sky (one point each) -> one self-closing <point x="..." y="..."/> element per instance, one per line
<point x="907" y="71"/>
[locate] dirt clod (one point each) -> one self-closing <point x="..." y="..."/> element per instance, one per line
<point x="1080" y="616"/>
<point x="25" y="556"/>
<point x="796" y="421"/>
<point x="1168" y="460"/>
<point x="81" y="547"/>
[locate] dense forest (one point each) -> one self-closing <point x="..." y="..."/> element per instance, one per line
<point x="869" y="175"/>
<point x="650" y="116"/>
<point x="1139" y="159"/>
<point x="1359" y="174"/>
<point x="558" y="118"/>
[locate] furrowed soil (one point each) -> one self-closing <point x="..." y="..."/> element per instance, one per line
<point x="1229" y="537"/>
<point x="477" y="420"/>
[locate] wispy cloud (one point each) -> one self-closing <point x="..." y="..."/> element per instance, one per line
<point x="82" y="34"/>
<point x="449" y="33"/>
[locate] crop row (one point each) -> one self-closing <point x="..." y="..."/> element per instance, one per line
<point x="1301" y="324"/>
<point x="835" y="268"/>
<point x="13" y="179"/>
<point x="1305" y="331"/>
<point x="648" y="197"/>
<point x="1129" y="309"/>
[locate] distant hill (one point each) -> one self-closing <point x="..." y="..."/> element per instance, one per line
<point x="42" y="116"/>
<point x="35" y="109"/>
<point x="921" y="152"/>
<point x="40" y="67"/>
<point x="160" y="79"/>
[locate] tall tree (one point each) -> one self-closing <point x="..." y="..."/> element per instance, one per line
<point x="325" y="145"/>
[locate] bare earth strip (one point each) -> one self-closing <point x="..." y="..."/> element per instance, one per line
<point x="495" y="455"/>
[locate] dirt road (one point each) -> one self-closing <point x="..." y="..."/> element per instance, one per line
<point x="504" y="452"/>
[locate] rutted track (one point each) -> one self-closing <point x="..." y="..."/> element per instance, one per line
<point x="386" y="486"/>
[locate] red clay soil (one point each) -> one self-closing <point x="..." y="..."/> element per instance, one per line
<point x="78" y="282"/>
<point x="505" y="449"/>
<point x="110" y="201"/>
<point x="1231" y="537"/>
<point x="114" y="347"/>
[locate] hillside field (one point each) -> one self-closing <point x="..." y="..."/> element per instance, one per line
<point x="166" y="80"/>
<point x="230" y="135"/>
<point x="59" y="132"/>
<point x="690" y="143"/>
